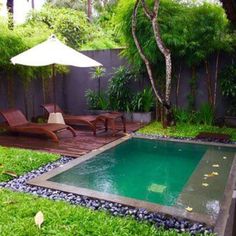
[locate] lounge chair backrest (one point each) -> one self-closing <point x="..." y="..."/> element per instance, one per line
<point x="50" y="108"/>
<point x="14" y="117"/>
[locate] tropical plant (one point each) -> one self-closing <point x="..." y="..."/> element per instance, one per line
<point x="228" y="81"/>
<point x="96" y="101"/>
<point x="206" y="114"/>
<point x="73" y="4"/>
<point x="71" y="25"/>
<point x="143" y="101"/>
<point x="184" y="116"/>
<point x="228" y="87"/>
<point x="92" y="99"/>
<point x="118" y="89"/>
<point x="97" y="74"/>
<point x="191" y="33"/>
<point x="152" y="14"/>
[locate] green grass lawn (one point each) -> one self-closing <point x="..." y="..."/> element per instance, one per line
<point x="185" y="130"/>
<point x="21" y="161"/>
<point x="60" y="218"/>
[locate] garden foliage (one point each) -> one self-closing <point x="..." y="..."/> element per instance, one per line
<point x="228" y="87"/>
<point x="120" y="96"/>
<point x="190" y="32"/>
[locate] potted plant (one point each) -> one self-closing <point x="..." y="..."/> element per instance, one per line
<point x="119" y="91"/>
<point x="141" y="105"/>
<point x="97" y="102"/>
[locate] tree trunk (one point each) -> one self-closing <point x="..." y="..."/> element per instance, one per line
<point x="216" y="80"/>
<point x="89" y="2"/>
<point x="10" y="9"/>
<point x="193" y="86"/>
<point x="164" y="50"/>
<point x="153" y="17"/>
<point x="141" y="52"/>
<point x="209" y="85"/>
<point x="32" y="4"/>
<point x="178" y="85"/>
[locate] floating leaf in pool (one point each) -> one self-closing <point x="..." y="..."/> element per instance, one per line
<point x="211" y="174"/>
<point x="205" y="184"/>
<point x="189" y="209"/>
<point x="156" y="188"/>
<point x="216" y="165"/>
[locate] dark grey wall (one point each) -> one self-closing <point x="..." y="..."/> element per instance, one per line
<point x="201" y="90"/>
<point x="79" y="80"/>
<point x="71" y="88"/>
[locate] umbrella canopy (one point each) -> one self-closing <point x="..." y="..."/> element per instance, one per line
<point x="52" y="51"/>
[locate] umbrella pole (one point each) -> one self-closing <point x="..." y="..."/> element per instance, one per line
<point x="54" y="86"/>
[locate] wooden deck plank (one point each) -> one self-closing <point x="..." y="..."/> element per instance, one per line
<point x="83" y="143"/>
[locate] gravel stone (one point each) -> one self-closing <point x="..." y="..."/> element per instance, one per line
<point x="19" y="184"/>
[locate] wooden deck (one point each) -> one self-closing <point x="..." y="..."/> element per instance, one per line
<point x="83" y="143"/>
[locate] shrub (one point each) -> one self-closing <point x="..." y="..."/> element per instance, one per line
<point x="118" y="89"/>
<point x="96" y="101"/>
<point x="206" y="114"/>
<point x="143" y="101"/>
<point x="184" y="116"/>
<point x="228" y="87"/>
<point x="70" y="24"/>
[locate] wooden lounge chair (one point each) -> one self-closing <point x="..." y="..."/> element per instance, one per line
<point x="18" y="123"/>
<point x="89" y="120"/>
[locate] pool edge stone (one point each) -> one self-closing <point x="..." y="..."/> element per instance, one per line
<point x="116" y="209"/>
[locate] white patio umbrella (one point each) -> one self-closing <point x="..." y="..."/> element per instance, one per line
<point x="52" y="52"/>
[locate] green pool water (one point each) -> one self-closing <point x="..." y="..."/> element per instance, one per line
<point x="143" y="169"/>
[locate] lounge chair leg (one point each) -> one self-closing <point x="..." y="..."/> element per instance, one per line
<point x="93" y="126"/>
<point x="124" y="123"/>
<point x="113" y="126"/>
<point x="106" y="125"/>
<point x="72" y="131"/>
<point x="52" y="136"/>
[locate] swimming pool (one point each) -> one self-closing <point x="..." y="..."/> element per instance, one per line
<point x="158" y="175"/>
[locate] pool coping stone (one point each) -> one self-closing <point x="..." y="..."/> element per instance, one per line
<point x="42" y="181"/>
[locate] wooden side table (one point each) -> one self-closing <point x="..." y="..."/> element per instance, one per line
<point x="111" y="118"/>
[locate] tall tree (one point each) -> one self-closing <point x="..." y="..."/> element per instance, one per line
<point x="152" y="15"/>
<point x="90" y="7"/>
<point x="10" y="9"/>
<point x="32" y="4"/>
